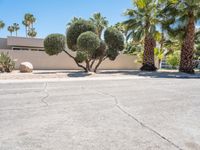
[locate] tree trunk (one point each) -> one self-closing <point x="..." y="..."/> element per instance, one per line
<point x="98" y="64"/>
<point x="148" y="57"/>
<point x="26" y="31"/>
<point x="187" y="51"/>
<point x="79" y="65"/>
<point x="87" y="65"/>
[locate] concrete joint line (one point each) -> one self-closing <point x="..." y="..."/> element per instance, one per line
<point x="138" y="121"/>
<point x="43" y="100"/>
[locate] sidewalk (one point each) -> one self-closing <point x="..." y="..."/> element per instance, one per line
<point x="103" y="74"/>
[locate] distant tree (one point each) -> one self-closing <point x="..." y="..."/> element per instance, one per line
<point x="82" y="38"/>
<point x="2" y="24"/>
<point x="100" y="22"/>
<point x="29" y="20"/>
<point x="25" y="23"/>
<point x="73" y="21"/>
<point x="32" y="33"/>
<point x="11" y="29"/>
<point x="16" y="27"/>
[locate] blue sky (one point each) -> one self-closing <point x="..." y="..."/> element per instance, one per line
<point x="53" y="15"/>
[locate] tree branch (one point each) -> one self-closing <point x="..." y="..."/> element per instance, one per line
<point x="79" y="65"/>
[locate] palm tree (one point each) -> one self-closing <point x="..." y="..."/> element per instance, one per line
<point x="25" y="23"/>
<point x="16" y="27"/>
<point x="185" y="14"/>
<point x="100" y="22"/>
<point x="73" y="21"/>
<point x="11" y="29"/>
<point x="141" y="27"/>
<point x="2" y="24"/>
<point x="28" y="22"/>
<point x="123" y="28"/>
<point x="32" y="33"/>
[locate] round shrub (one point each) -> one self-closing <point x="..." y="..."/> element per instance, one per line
<point x="75" y="30"/>
<point x="88" y="42"/>
<point x="112" y="54"/>
<point x="101" y="51"/>
<point x="80" y="57"/>
<point x="54" y="44"/>
<point x="114" y="39"/>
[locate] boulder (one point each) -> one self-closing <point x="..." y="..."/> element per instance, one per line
<point x="26" y="67"/>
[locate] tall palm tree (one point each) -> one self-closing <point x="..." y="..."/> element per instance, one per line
<point x="32" y="33"/>
<point x="2" y="24"/>
<point x="185" y="14"/>
<point x="100" y="22"/>
<point x="16" y="27"/>
<point x="11" y="29"/>
<point x="25" y="23"/>
<point x="28" y="22"/>
<point x="141" y="27"/>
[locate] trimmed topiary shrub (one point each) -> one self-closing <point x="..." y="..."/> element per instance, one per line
<point x="80" y="57"/>
<point x="54" y="44"/>
<point x="75" y="30"/>
<point x="101" y="51"/>
<point x="89" y="47"/>
<point x="88" y="42"/>
<point x="114" y="39"/>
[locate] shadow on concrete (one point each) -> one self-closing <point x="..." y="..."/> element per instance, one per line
<point x="78" y="74"/>
<point x="159" y="74"/>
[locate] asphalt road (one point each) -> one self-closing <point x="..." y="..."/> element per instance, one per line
<point x="131" y="114"/>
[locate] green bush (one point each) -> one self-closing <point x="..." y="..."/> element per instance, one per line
<point x="112" y="54"/>
<point x="80" y="57"/>
<point x="54" y="44"/>
<point x="115" y="42"/>
<point x="6" y="63"/>
<point x="174" y="59"/>
<point x="101" y="51"/>
<point x="75" y="30"/>
<point x="88" y="42"/>
<point x="114" y="39"/>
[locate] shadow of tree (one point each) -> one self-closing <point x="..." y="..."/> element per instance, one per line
<point x="78" y="74"/>
<point x="159" y="74"/>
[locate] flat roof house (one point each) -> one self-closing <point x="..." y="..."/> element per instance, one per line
<point x="21" y="43"/>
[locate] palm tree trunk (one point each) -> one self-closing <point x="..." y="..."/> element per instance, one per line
<point x="26" y="31"/>
<point x="148" y="57"/>
<point x="187" y="51"/>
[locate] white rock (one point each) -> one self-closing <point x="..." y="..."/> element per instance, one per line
<point x="26" y="67"/>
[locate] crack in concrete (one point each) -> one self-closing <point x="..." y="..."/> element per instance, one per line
<point x="46" y="96"/>
<point x="138" y="121"/>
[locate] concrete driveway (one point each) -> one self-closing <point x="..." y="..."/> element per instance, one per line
<point x="129" y="114"/>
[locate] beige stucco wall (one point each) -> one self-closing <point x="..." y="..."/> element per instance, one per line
<point x="41" y="60"/>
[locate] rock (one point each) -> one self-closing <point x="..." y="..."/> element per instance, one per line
<point x="26" y="67"/>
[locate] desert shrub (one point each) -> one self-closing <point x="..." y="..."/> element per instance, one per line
<point x="174" y="59"/>
<point x="75" y="30"/>
<point x="88" y="42"/>
<point x="6" y="63"/>
<point x="54" y="44"/>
